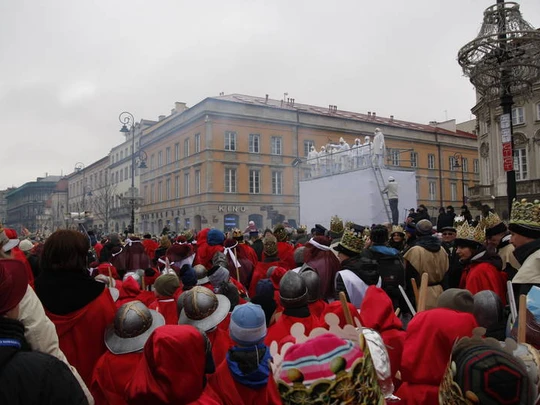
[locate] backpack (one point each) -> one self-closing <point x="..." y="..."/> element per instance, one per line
<point x="392" y="273"/>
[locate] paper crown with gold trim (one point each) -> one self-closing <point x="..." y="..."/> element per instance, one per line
<point x="470" y="235"/>
<point x="398" y="229"/>
<point x="329" y="366"/>
<point x="477" y="368"/>
<point x="280" y="233"/>
<point x="493" y="224"/>
<point x="336" y="225"/>
<point x="237" y="233"/>
<point x="525" y="218"/>
<point x="301" y="229"/>
<point x="351" y="243"/>
<point x="188" y="234"/>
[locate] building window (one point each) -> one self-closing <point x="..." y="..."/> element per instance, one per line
<point x="276" y="145"/>
<point x="197" y="182"/>
<point x="538" y="112"/>
<point x="414" y="159"/>
<point x="453" y="164"/>
<point x="152" y="161"/>
<point x="160" y="159"/>
<point x="254" y="143"/>
<point x="476" y="167"/>
<point x="417" y="189"/>
<point x="230" y="180"/>
<point x="230" y="221"/>
<point x="168" y="155"/>
<point x="465" y="163"/>
<point x="432" y="190"/>
<point x="431" y="161"/>
<point x="518" y="115"/>
<point x="177" y="187"/>
<point x="176" y="151"/>
<point x="254" y="181"/>
<point x="230" y="140"/>
<point x="126" y="172"/>
<point x="121" y="155"/>
<point x="152" y="195"/>
<point x="186" y="184"/>
<point x="520" y="163"/>
<point x="186" y="147"/>
<point x="453" y="192"/>
<point x="197" y="141"/>
<point x="394" y="157"/>
<point x="277" y="183"/>
<point x="159" y="192"/>
<point x="307" y="147"/>
<point x="121" y="175"/>
<point x="168" y="189"/>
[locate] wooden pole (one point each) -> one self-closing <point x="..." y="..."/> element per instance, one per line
<point x="345" y="307"/>
<point x="422" y="294"/>
<point x="237" y="270"/>
<point x="522" y="323"/>
<point x="415" y="289"/>
<point x="511" y="301"/>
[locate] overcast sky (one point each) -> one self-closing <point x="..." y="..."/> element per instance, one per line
<point x="68" y="68"/>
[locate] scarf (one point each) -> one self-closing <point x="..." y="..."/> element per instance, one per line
<point x="246" y="358"/>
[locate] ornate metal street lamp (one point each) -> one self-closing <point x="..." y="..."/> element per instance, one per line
<point x="458" y="163"/>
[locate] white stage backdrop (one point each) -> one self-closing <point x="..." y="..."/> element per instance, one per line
<point x="353" y="196"/>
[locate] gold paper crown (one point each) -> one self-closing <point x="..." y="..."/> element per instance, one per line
<point x="301" y="229"/>
<point x="526" y="213"/>
<point x="490" y="221"/>
<point x="367" y="232"/>
<point x="237" y="233"/>
<point x="474" y="233"/>
<point x="188" y="234"/>
<point x="336" y="224"/>
<point x="354" y="241"/>
<point x="358" y="385"/>
<point x="349" y="224"/>
<point x="397" y="228"/>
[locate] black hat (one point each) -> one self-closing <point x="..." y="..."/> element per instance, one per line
<point x="448" y="228"/>
<point x="494" y="230"/>
<point x="319" y="230"/>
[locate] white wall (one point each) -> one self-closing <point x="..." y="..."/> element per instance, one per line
<point x="353" y="196"/>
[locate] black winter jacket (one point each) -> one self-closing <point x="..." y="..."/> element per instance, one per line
<point x="364" y="268"/>
<point x="28" y="378"/>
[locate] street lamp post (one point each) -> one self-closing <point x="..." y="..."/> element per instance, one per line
<point x="503" y="61"/>
<point x="79" y="167"/>
<point x="458" y="163"/>
<point x="128" y="126"/>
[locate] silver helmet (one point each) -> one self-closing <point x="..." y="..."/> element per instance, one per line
<point x="132" y="326"/>
<point x="488" y="309"/>
<point x="202" y="274"/>
<point x="203" y="309"/>
<point x="219" y="259"/>
<point x="313" y="284"/>
<point x="292" y="291"/>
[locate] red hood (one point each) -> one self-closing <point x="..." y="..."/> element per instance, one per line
<point x="377" y="311"/>
<point x="130" y="288"/>
<point x="428" y="343"/>
<point x="172" y="369"/>
<point x="201" y="236"/>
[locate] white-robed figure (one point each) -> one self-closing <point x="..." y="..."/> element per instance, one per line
<point x="366" y="151"/>
<point x="342" y="158"/>
<point x="378" y="147"/>
<point x="356" y="153"/>
<point x="313" y="161"/>
<point x="323" y="161"/>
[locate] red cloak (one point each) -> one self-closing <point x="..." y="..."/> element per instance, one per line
<point x="318" y="308"/>
<point x="111" y="377"/>
<point x="286" y="254"/>
<point x="377" y="312"/>
<point x="150" y="247"/>
<point x="103" y="268"/>
<point x="131" y="291"/>
<point x="428" y="344"/>
<point x="166" y="307"/>
<point x="18" y="254"/>
<point x="221" y="343"/>
<point x="172" y="369"/>
<point x="336" y="308"/>
<point x="80" y="333"/>
<point x="259" y="274"/>
<point x="281" y="329"/>
<point x="484" y="276"/>
<point x="228" y="391"/>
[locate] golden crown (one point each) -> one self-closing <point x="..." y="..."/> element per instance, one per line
<point x="490" y="221"/>
<point x="188" y="234"/>
<point x="354" y="241"/>
<point x="349" y="224"/>
<point x="474" y="233"/>
<point x="336" y="224"/>
<point x="237" y="233"/>
<point x="397" y="228"/>
<point x="526" y="213"/>
<point x="358" y="385"/>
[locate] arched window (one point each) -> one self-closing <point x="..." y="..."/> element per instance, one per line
<point x="230" y="221"/>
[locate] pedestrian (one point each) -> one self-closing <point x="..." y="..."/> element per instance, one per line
<point x="391" y="190"/>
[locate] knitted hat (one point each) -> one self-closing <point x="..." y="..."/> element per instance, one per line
<point x="424" y="227"/>
<point x="525" y="218"/>
<point x="270" y="246"/>
<point x="167" y="284"/>
<point x="456" y="299"/>
<point x="189" y="277"/>
<point x="215" y="237"/>
<point x="280" y="233"/>
<point x="13" y="284"/>
<point x="248" y="324"/>
<point x="264" y="287"/>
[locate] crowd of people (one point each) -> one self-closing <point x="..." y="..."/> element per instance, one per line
<point x="407" y="314"/>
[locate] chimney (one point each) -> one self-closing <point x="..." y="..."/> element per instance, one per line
<point x="433" y="123"/>
<point x="162" y="117"/>
<point x="330" y="107"/>
<point x="180" y="107"/>
<point x="266" y="100"/>
<point x="374" y="115"/>
<point x="369" y="114"/>
<point x="391" y="118"/>
<point x="292" y="102"/>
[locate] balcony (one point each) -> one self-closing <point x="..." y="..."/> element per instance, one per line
<point x="480" y="192"/>
<point x="120" y="212"/>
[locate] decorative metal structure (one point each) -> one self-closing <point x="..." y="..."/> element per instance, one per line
<point x="503" y="61"/>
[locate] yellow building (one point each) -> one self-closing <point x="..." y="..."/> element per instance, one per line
<point x="235" y="158"/>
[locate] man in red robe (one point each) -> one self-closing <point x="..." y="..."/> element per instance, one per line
<point x="285" y="249"/>
<point x="175" y="362"/>
<point x="428" y="344"/>
<point x="130" y="290"/>
<point x="125" y="340"/>
<point x="245" y="378"/>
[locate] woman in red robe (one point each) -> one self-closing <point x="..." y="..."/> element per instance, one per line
<point x="80" y="307"/>
<point x="173" y="368"/>
<point x="428" y="344"/>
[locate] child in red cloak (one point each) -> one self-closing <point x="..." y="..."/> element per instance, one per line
<point x="428" y="344"/>
<point x="125" y="340"/>
<point x="165" y="288"/>
<point x="285" y="249"/>
<point x="377" y="313"/>
<point x="173" y="368"/>
<point x="130" y="290"/>
<point x="245" y="378"/>
<point x="80" y="307"/>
